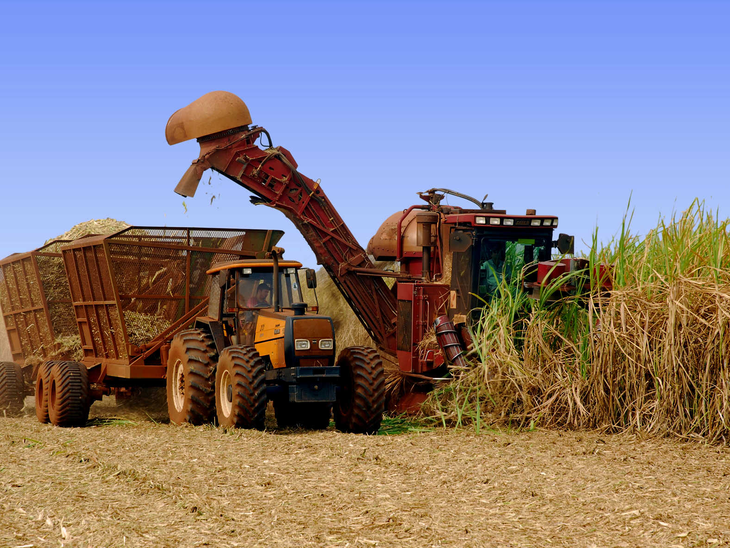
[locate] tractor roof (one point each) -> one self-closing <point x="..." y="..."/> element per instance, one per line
<point x="252" y="263"/>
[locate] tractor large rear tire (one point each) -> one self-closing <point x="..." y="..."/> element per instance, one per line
<point x="12" y="390"/>
<point x="191" y="378"/>
<point x="42" y="386"/>
<point x="241" y="388"/>
<point x="68" y="394"/>
<point x="361" y="398"/>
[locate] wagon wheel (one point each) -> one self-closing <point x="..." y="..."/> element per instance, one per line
<point x="68" y="394"/>
<point x="241" y="388"/>
<point x="361" y="398"/>
<point x="314" y="416"/>
<point x="190" y="378"/>
<point x="42" y="385"/>
<point x="12" y="390"/>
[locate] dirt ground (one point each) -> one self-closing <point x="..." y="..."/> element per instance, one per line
<point x="144" y="483"/>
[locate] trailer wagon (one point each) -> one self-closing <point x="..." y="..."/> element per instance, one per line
<point x="129" y="293"/>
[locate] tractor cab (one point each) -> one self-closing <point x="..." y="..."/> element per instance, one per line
<point x="258" y="302"/>
<point x="256" y="316"/>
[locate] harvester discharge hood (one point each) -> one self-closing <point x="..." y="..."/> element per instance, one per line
<point x="213" y="113"/>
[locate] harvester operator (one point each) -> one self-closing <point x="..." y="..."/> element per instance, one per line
<point x="494" y="269"/>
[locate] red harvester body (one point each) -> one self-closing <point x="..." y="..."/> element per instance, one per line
<point x="446" y="253"/>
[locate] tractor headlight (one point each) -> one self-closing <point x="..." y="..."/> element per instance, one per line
<point x="480" y="220"/>
<point x="326" y="344"/>
<point x="547" y="222"/>
<point x="301" y="344"/>
<point x="535" y="222"/>
<point x="509" y="222"/>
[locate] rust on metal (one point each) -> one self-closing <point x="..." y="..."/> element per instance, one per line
<point x="156" y="273"/>
<point x="212" y="113"/>
<point x="272" y="175"/>
<point x="35" y="300"/>
<point x="95" y="286"/>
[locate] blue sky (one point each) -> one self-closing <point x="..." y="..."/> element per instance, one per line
<point x="565" y="107"/>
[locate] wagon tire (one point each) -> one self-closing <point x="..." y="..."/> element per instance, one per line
<point x="361" y="398"/>
<point x="68" y="394"/>
<point x="191" y="378"/>
<point x="241" y="388"/>
<point x="42" y="385"/>
<point x="12" y="390"/>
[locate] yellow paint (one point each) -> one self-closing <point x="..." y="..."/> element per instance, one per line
<point x="269" y="340"/>
<point x="268" y="328"/>
<point x="274" y="350"/>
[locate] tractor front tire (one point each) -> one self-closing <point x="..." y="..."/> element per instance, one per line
<point x="12" y="390"/>
<point x="241" y="388"/>
<point x="361" y="398"/>
<point x="191" y="378"/>
<point x="68" y="394"/>
<point x="42" y="386"/>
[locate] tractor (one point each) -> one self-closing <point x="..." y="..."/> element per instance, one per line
<point x="269" y="349"/>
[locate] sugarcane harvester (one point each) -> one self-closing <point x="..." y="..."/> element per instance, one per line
<point x="449" y="257"/>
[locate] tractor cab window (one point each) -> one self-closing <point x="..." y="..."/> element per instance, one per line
<point x="255" y="289"/>
<point x="501" y="259"/>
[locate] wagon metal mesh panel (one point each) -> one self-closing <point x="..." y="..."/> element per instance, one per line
<point x="36" y="302"/>
<point x="94" y="300"/>
<point x="56" y="289"/>
<point x="129" y="286"/>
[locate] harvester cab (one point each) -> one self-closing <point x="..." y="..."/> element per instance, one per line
<point x="473" y="250"/>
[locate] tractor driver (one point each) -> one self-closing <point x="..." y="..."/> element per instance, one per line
<point x="261" y="298"/>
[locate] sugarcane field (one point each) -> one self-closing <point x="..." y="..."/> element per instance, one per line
<point x="396" y="274"/>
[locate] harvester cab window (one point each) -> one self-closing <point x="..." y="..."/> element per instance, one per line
<point x="493" y="267"/>
<point x="501" y="259"/>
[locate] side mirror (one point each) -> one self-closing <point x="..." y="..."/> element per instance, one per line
<point x="565" y="244"/>
<point x="311" y="278"/>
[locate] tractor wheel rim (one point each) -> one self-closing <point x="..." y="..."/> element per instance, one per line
<point x="178" y="386"/>
<point x="225" y="394"/>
